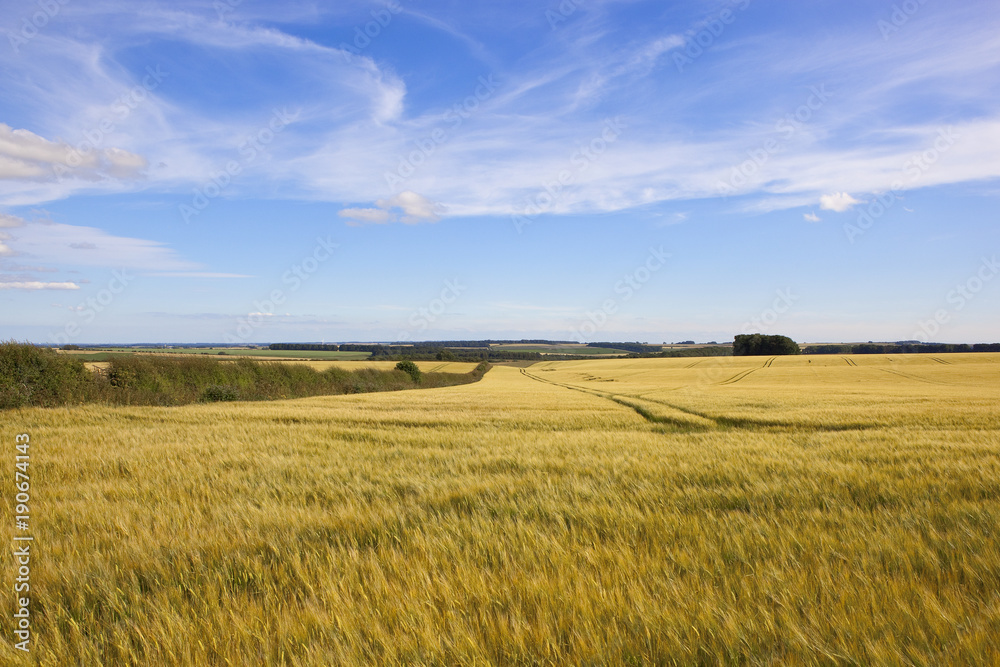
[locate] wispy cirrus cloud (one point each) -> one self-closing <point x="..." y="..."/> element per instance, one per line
<point x="35" y="285"/>
<point x="359" y="115"/>
<point x="75" y="246"/>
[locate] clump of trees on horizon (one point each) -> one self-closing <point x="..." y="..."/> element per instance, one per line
<point x="748" y="345"/>
<point x="901" y="348"/>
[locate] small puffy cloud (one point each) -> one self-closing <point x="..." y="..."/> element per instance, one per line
<point x="407" y="207"/>
<point x="25" y="156"/>
<point x="811" y="217"/>
<point x="837" y="202"/>
<point x="416" y="208"/>
<point x="38" y="285"/>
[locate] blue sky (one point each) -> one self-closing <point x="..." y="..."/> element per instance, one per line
<point x="581" y="170"/>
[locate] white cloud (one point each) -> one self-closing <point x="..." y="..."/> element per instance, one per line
<point x="72" y="245"/>
<point x="838" y="202"/>
<point x="811" y="217"/>
<point x="26" y="156"/>
<point x="407" y="207"/>
<point x="357" y="120"/>
<point x="369" y="216"/>
<point x="8" y="221"/>
<point x="31" y="285"/>
<point x="415" y="207"/>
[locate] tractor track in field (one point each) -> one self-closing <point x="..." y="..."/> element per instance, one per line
<point x="739" y="376"/>
<point x="915" y="378"/>
<point x="742" y="375"/>
<point x="850" y="362"/>
<point x="941" y="361"/>
<point x="622" y="399"/>
<point x="713" y="421"/>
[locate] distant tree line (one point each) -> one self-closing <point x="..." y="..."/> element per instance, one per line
<point x="489" y="342"/>
<point x="708" y="351"/>
<point x="419" y="348"/>
<point x="638" y="348"/>
<point x="437" y="353"/>
<point x="744" y="345"/>
<point x="901" y="348"/>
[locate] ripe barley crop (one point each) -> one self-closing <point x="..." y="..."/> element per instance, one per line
<point x="648" y="511"/>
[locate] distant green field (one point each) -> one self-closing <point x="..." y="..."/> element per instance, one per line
<point x="557" y="349"/>
<point x="92" y="354"/>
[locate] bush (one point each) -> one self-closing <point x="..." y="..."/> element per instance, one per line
<point x="410" y="369"/>
<point x="31" y="375"/>
<point x="220" y="392"/>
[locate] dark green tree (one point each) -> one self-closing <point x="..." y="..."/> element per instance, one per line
<point x="410" y="369"/>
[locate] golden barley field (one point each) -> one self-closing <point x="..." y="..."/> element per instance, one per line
<point x="748" y="511"/>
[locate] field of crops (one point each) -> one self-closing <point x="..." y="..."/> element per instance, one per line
<point x="758" y="511"/>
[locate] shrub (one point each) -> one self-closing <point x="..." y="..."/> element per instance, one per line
<point x="31" y="375"/>
<point x="410" y="369"/>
